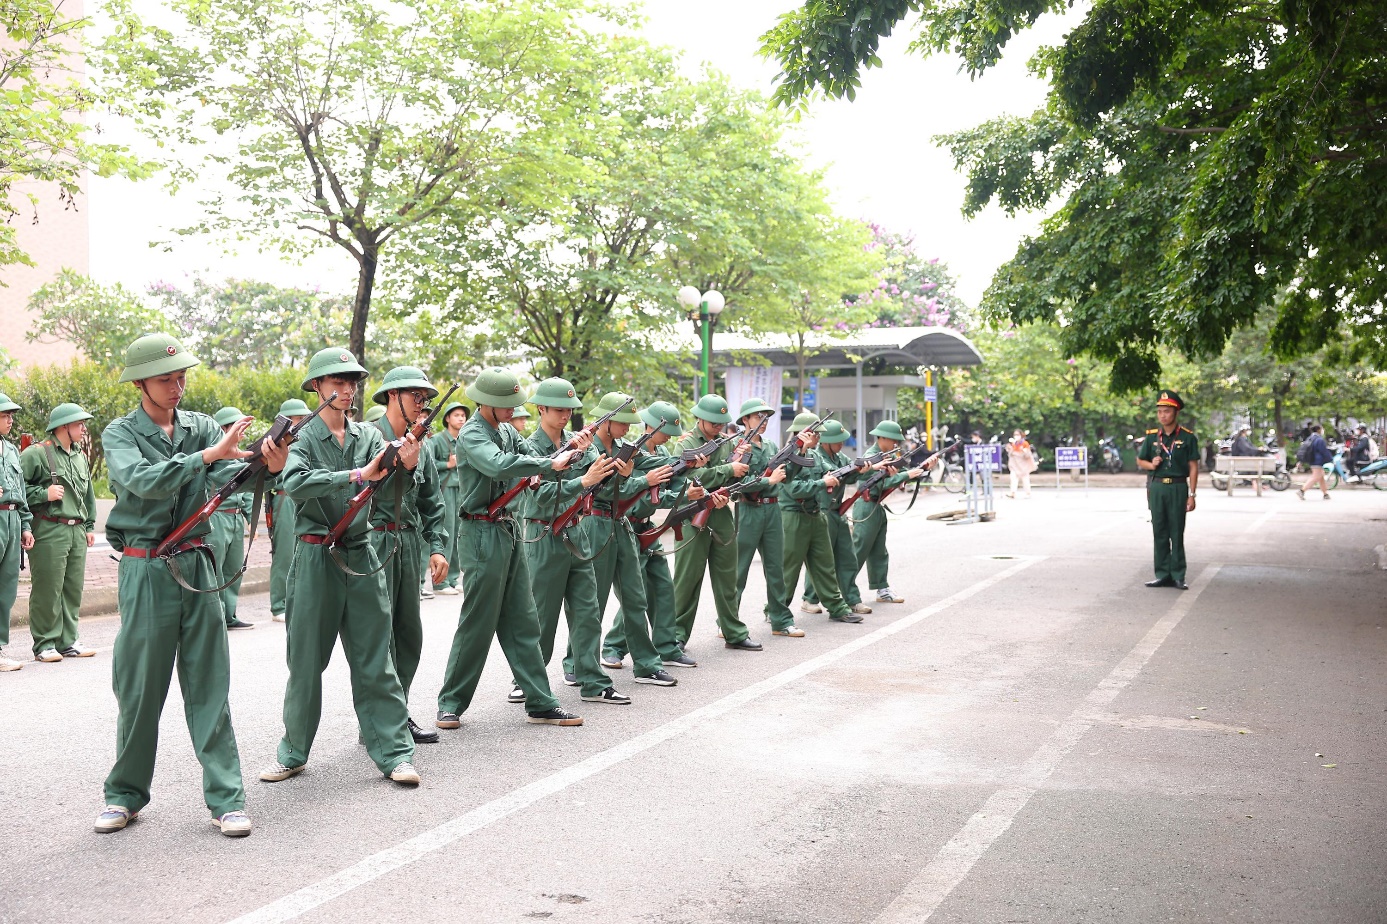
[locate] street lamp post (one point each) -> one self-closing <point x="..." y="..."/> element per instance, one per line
<point x="703" y="310"/>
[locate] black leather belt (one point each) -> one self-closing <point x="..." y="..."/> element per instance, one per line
<point x="1172" y="480"/>
<point x="66" y="521"/>
<point x="759" y="501"/>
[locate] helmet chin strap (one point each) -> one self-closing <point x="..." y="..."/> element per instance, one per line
<point x="145" y="390"/>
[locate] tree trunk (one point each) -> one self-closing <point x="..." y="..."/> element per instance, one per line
<point x="361" y="305"/>
<point x="800" y="363"/>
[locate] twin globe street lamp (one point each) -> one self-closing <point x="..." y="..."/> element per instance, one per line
<point x="703" y="310"/>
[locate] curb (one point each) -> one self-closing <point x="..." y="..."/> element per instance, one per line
<point x="101" y="601"/>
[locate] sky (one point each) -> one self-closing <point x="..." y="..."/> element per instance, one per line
<point x="881" y="164"/>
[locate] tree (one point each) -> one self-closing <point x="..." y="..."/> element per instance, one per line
<point x="350" y="121"/>
<point x="1215" y="159"/>
<point x="101" y="321"/>
<point x="911" y="290"/>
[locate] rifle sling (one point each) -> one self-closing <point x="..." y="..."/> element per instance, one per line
<point x="176" y="572"/>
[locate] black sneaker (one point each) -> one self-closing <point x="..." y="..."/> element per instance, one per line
<point x="682" y="661"/>
<point x="555" y="716"/>
<point x="846" y="617"/>
<point x="745" y="644"/>
<point x="240" y="624"/>
<point x="421" y="735"/>
<point x="570" y="680"/>
<point x="659" y="679"/>
<point x="448" y="720"/>
<point x="613" y="662"/>
<point x="516" y="695"/>
<point x="609" y="695"/>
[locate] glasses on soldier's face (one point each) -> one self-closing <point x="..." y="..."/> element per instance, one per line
<point x="417" y="396"/>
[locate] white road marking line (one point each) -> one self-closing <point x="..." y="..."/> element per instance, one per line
<point x="1260" y="522"/>
<point x="406" y="852"/>
<point x="927" y="891"/>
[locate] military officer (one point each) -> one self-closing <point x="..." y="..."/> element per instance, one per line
<point x="869" y="519"/>
<point x="497" y="600"/>
<point x="443" y="446"/>
<point x="831" y="440"/>
<point x="418" y="497"/>
<point x="59" y="490"/>
<point x="758" y="519"/>
<point x="164" y="463"/>
<point x="279" y="517"/>
<point x="228" y="536"/>
<point x="713" y="549"/>
<point x="339" y="592"/>
<point x="15" y="534"/>
<point x="1170" y="453"/>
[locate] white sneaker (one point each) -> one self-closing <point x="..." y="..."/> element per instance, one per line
<point x="885" y="595"/>
<point x="862" y="608"/>
<point x="425" y="594"/>
<point x="77" y="651"/>
<point x="9" y="664"/>
<point x="233" y="824"/>
<point x="277" y="771"/>
<point x="406" y="774"/>
<point x="276" y="617"/>
<point x="446" y="591"/>
<point x="48" y="656"/>
<point x="811" y="608"/>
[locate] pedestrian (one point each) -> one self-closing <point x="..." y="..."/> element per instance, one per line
<point x="59" y="490"/>
<point x="869" y="518"/>
<point x="339" y="592"/>
<point x="15" y="519"/>
<point x="497" y="598"/>
<point x="1020" y="462"/>
<point x="1170" y="453"/>
<point x="228" y="536"/>
<point x="712" y="550"/>
<point x="164" y="464"/>
<point x="280" y="518"/>
<point x="1316" y="454"/>
<point x="758" y="518"/>
<point x="831" y="440"/>
<point x="443" y="446"/>
<point x="405" y="542"/>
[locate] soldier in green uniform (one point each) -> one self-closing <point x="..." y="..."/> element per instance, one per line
<point x="831" y="440"/>
<point x="520" y="420"/>
<point x="418" y="497"/>
<point x="228" y="536"/>
<point x="713" y="549"/>
<point x="330" y="461"/>
<point x="758" y="519"/>
<point x="565" y="579"/>
<point x="869" y="519"/>
<point x="164" y="464"/>
<point x="497" y="599"/>
<point x="443" y="446"/>
<point x="59" y="491"/>
<point x="662" y="418"/>
<point x="1170" y="453"/>
<point x="15" y="534"/>
<point x="373" y="413"/>
<point x="279" y="517"/>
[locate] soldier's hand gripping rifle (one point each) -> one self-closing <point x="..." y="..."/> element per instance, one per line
<point x="591" y="428"/>
<point x="689" y="456"/>
<point x="695" y="512"/>
<point x="920" y="458"/>
<point x="866" y="462"/>
<point x="789" y="454"/>
<point x="281" y="433"/>
<point x="583" y="505"/>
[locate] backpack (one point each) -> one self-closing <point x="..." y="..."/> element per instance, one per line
<point x="1302" y="454"/>
<point x="1372" y="450"/>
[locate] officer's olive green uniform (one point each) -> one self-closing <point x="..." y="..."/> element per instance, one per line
<point x="420" y="532"/>
<point x="15" y="520"/>
<point x="158" y="483"/>
<point x="869" y="523"/>
<point x="713" y="550"/>
<point x="441" y="446"/>
<point x="807" y="543"/>
<point x="324" y="603"/>
<point x="759" y="528"/>
<point x="1167" y="493"/>
<point x="283" y="538"/>
<point x="58" y="560"/>
<point x="228" y="541"/>
<point x="498" y="601"/>
<point x="839" y="533"/>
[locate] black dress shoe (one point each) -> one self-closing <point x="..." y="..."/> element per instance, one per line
<point x="422" y="735"/>
<point x="1181" y="585"/>
<point x="745" y="644"/>
<point x="1161" y="582"/>
<point x="240" y="624"/>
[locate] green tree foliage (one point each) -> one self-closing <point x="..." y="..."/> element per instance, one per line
<point x="99" y="320"/>
<point x="1214" y="159"/>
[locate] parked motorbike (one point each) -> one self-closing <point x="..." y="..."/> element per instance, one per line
<point x="1109" y="456"/>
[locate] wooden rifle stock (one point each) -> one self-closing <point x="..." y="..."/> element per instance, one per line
<point x="864" y="491"/>
<point x="498" y="506"/>
<point x="583" y="505"/>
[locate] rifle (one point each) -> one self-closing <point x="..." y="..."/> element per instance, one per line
<point x="282" y="432"/>
<point x="866" y="462"/>
<point x="689" y="456"/>
<point x="695" y="512"/>
<point x="591" y="428"/>
<point x="789" y="453"/>
<point x="583" y="505"/>
<point x="914" y="461"/>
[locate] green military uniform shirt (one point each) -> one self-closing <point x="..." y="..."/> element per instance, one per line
<point x="832" y="498"/>
<point x="421" y="502"/>
<point x="12" y="488"/>
<point x="79" y="500"/>
<point x="318" y="476"/>
<point x="493" y="459"/>
<point x="717" y="472"/>
<point x="802" y="491"/>
<point x="440" y="446"/>
<point x="757" y="460"/>
<point x="1175" y="452"/>
<point x="557" y="490"/>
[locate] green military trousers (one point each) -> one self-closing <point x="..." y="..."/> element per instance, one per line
<point x="567" y="584"/>
<point x="807" y="544"/>
<point x="844" y="562"/>
<point x="1167" y="503"/>
<point x="282" y="542"/>
<point x="161" y="625"/>
<point x="869" y="543"/>
<point x="659" y="608"/>
<point x="759" y="530"/>
<point x="402" y="576"/>
<point x="452" y="504"/>
<point x="497" y="602"/>
<point x="228" y="542"/>
<point x="10" y="536"/>
<point x="618" y="566"/>
<point x="323" y="603"/>
<point x="58" y="569"/>
<point x="712" y="550"/>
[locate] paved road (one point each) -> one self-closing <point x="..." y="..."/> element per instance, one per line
<point x="1032" y="736"/>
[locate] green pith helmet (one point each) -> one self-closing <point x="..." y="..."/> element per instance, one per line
<point x="609" y="403"/>
<point x="294" y="407"/>
<point x="520" y="413"/>
<point x="496" y="388"/>
<point x="403" y="377"/>
<point x="889" y="429"/>
<point x="712" y="408"/>
<point x="65" y="414"/>
<point x="556" y="393"/>
<point x="753" y="406"/>
<point x="332" y="361"/>
<point x="227" y="416"/>
<point x="833" y="432"/>
<point x="374" y="412"/>
<point x="803" y="419"/>
<point x="450" y="407"/>
<point x="663" y="416"/>
<point x="6" y="404"/>
<point x="155" y="354"/>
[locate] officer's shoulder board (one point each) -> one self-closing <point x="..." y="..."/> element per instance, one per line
<point x="1187" y="430"/>
<point x="1153" y="430"/>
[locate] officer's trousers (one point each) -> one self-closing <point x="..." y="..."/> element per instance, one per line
<point x="402" y="576"/>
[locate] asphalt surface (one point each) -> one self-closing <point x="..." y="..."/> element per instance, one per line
<point x="1032" y="736"/>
